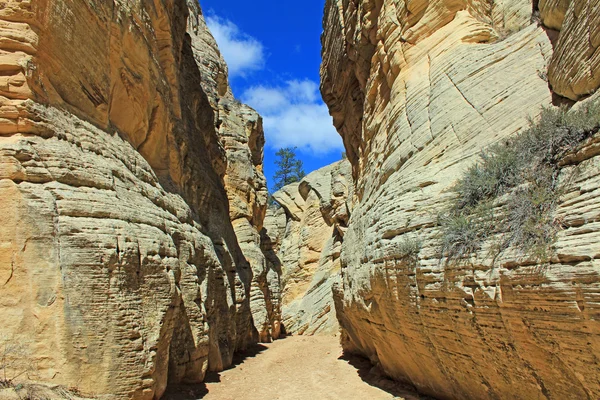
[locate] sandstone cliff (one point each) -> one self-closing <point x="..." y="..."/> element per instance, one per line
<point x="121" y="147"/>
<point x="306" y="234"/>
<point x="240" y="130"/>
<point x="416" y="90"/>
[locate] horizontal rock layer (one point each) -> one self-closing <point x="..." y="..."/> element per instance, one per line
<point x="120" y="271"/>
<point x="241" y="133"/>
<point x="417" y="90"/>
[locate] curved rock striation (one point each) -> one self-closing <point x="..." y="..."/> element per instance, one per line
<point x="417" y="90"/>
<point x="575" y="68"/>
<point x="307" y="233"/>
<point x="121" y="148"/>
<point x="241" y="133"/>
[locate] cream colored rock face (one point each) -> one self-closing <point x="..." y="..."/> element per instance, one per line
<point x="120" y="270"/>
<point x="416" y="90"/>
<point x="307" y="232"/>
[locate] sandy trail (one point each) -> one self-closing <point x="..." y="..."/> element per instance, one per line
<point x="295" y="368"/>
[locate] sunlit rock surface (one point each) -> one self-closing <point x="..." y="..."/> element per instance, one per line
<point x="307" y="231"/>
<point x="417" y="89"/>
<point x="121" y="148"/>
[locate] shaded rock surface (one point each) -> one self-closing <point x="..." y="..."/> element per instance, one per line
<point x="417" y="89"/>
<point x="306" y="234"/>
<point x="121" y="149"/>
<point x="241" y="132"/>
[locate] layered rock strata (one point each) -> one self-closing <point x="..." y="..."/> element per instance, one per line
<point x="574" y="71"/>
<point x="120" y="271"/>
<point x="241" y="133"/>
<point x="417" y="90"/>
<point x="306" y="234"/>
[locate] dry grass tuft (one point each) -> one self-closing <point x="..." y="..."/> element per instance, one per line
<point x="524" y="169"/>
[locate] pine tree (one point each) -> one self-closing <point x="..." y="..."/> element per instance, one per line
<point x="289" y="168"/>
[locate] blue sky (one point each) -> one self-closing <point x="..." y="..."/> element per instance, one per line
<point x="273" y="51"/>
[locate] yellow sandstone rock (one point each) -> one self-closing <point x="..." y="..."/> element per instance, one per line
<point x="307" y="232"/>
<point x="417" y="90"/>
<point x="120" y="150"/>
<point x="575" y="68"/>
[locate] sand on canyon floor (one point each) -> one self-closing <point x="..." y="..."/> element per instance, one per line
<point x="296" y="367"/>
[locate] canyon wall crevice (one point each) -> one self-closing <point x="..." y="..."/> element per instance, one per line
<point x="241" y="133"/>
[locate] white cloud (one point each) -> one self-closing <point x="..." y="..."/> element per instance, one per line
<point x="294" y="115"/>
<point x="242" y="52"/>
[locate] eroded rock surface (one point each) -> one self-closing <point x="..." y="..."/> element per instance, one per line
<point x="575" y="68"/>
<point x="306" y="234"/>
<point x="120" y="150"/>
<point x="416" y="90"/>
<point x="241" y="132"/>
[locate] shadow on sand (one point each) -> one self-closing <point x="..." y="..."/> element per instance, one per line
<point x="375" y="377"/>
<point x="198" y="390"/>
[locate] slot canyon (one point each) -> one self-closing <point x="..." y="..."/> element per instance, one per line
<point x="141" y="255"/>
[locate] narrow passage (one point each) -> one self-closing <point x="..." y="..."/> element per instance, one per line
<point x="296" y="368"/>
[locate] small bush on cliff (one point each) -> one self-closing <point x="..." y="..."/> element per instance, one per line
<point x="496" y="173"/>
<point x="407" y="250"/>
<point x="464" y="232"/>
<point x="529" y="222"/>
<point x="526" y="170"/>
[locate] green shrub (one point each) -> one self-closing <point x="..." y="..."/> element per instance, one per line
<point x="408" y="250"/>
<point x="529" y="223"/>
<point x="525" y="169"/>
<point x="464" y="232"/>
<point x="556" y="133"/>
<point x="497" y="172"/>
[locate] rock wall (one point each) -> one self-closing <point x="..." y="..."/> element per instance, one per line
<point x="306" y="233"/>
<point x="241" y="133"/>
<point x="120" y="149"/>
<point x="417" y="89"/>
